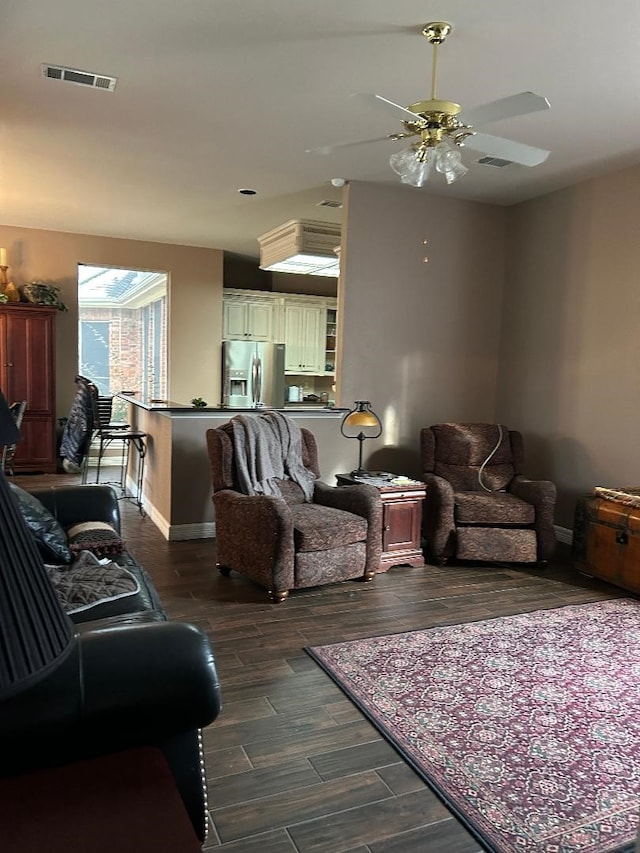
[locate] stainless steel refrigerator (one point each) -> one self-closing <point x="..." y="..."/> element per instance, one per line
<point x="252" y="375"/>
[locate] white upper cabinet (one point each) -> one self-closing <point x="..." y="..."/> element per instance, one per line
<point x="248" y="318"/>
<point x="305" y="324"/>
<point x="304" y="336"/>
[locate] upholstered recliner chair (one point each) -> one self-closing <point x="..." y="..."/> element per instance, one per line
<point x="286" y="542"/>
<point x="479" y="506"/>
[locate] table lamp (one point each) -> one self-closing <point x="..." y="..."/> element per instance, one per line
<point x="359" y="418"/>
<point x="35" y="632"/>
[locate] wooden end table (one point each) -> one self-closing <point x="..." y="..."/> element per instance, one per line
<point x="401" y="518"/>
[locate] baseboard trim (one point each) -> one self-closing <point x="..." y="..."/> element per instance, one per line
<point x="179" y="532"/>
<point x="563" y="534"/>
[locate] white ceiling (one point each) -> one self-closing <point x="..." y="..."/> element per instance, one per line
<point x="215" y="95"/>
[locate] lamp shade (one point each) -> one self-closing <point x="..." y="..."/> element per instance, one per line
<point x="35" y="632"/>
<point x="361" y="417"/>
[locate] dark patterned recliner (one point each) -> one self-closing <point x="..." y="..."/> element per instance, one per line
<point x="479" y="506"/>
<point x="285" y="543"/>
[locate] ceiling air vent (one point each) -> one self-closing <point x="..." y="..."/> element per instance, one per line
<point x="81" y="78"/>
<point x="328" y="203"/>
<point x="498" y="162"/>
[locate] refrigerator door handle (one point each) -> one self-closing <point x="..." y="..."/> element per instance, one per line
<point x="256" y="380"/>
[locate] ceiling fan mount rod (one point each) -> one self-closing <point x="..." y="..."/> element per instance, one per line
<point x="435" y="33"/>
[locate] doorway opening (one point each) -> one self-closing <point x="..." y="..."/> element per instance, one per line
<point x="122" y="331"/>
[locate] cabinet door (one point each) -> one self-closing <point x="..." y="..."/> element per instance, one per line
<point x="304" y="338"/>
<point x="401" y="524"/>
<point x="27" y="357"/>
<point x="260" y="321"/>
<point x="245" y="319"/>
<point x="234" y="320"/>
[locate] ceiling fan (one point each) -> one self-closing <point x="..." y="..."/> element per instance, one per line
<point x="442" y="128"/>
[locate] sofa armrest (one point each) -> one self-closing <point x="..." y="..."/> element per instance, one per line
<point x="75" y="504"/>
<point x="122" y="686"/>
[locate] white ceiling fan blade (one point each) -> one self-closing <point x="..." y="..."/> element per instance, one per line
<point x="388" y="106"/>
<point x="507" y="149"/>
<point x="329" y="149"/>
<point x="514" y="105"/>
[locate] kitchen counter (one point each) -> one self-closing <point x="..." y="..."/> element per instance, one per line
<point x="176" y="491"/>
<point x="171" y="407"/>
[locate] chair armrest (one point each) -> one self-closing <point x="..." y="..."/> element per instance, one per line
<point x="542" y="494"/>
<point x="256" y="532"/>
<point x="75" y="504"/>
<point x="119" y="687"/>
<point x="363" y="500"/>
<point x="438" y="519"/>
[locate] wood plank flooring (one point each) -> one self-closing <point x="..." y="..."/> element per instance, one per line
<point x="292" y="765"/>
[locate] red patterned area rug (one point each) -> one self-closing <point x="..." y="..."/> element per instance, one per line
<point x="527" y="727"/>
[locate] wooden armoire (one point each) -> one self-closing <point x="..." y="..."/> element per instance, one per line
<point x="28" y="372"/>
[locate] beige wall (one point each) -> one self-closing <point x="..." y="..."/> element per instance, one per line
<point x="527" y="314"/>
<point x="570" y="345"/>
<point x="420" y="341"/>
<point x="195" y="300"/>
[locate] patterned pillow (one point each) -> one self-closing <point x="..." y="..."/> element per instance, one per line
<point x="47" y="532"/>
<point x="96" y="536"/>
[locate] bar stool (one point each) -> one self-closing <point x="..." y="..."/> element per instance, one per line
<point x="106" y="432"/>
<point x="9" y="450"/>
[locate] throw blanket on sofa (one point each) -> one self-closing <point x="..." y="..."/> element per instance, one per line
<point x="89" y="581"/>
<point x="268" y="447"/>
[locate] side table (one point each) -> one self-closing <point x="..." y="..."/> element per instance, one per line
<point x="401" y="517"/>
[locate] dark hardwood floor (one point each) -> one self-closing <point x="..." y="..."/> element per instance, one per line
<point x="292" y="765"/>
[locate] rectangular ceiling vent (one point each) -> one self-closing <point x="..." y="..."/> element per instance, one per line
<point x="329" y="203"/>
<point x="498" y="162"/>
<point x="81" y="78"/>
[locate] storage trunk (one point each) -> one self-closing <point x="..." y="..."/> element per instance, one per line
<point x="612" y="542"/>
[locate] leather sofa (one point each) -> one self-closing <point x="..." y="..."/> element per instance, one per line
<point x="75" y="504"/>
<point x="133" y="679"/>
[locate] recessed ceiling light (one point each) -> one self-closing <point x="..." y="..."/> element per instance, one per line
<point x="247" y="192"/>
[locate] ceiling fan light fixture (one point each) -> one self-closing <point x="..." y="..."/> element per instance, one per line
<point x="449" y="162"/>
<point x="412" y="165"/>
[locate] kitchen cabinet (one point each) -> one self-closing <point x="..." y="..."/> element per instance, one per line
<point x="27" y="372"/>
<point x="304" y="337"/>
<point x="306" y="324"/>
<point x="248" y="318"/>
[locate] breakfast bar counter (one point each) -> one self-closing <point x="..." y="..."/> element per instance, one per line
<point x="176" y="489"/>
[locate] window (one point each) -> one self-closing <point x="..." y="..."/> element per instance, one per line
<point x="123" y="330"/>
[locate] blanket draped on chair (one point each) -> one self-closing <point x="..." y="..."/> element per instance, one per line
<point x="267" y="448"/>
